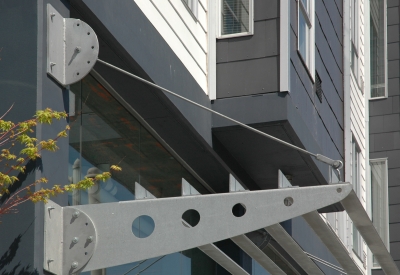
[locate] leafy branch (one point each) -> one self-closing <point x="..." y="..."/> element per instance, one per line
<point x="21" y="133"/>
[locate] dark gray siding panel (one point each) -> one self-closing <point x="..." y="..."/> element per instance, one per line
<point x="393" y="68"/>
<point x="262" y="44"/>
<point x="394" y="195"/>
<point x="393" y="33"/>
<point x="250" y="64"/>
<point x="394" y="177"/>
<point x="247" y="77"/>
<point x="381" y="107"/>
<point x="264" y="10"/>
<point x="392" y="15"/>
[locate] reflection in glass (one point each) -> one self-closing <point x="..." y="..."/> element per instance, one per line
<point x="303" y="37"/>
<point x="143" y="226"/>
<point x="235" y="16"/>
<point x="104" y="133"/>
<point x="379" y="190"/>
<point x="377" y="44"/>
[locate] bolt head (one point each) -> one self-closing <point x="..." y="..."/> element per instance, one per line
<point x="74" y="265"/>
<point x="90" y="239"/>
<point x="76" y="214"/>
<point x="75" y="240"/>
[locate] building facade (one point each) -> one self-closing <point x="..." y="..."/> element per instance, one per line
<point x="294" y="69"/>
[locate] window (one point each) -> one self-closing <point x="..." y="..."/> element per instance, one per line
<point x="236" y="18"/>
<point x="379" y="197"/>
<point x="192" y="5"/>
<point x="355" y="165"/>
<point x="353" y="38"/>
<point x="378" y="48"/>
<point x="306" y="32"/>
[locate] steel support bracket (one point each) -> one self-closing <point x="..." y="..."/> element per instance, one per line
<point x="72" y="47"/>
<point x="70" y="239"/>
<point x="113" y="241"/>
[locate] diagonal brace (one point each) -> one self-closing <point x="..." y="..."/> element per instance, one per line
<point x="113" y="242"/>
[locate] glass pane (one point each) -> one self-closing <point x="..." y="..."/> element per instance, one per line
<point x="303" y="38"/>
<point x="104" y="133"/>
<point x="377" y="44"/>
<point x="379" y="200"/>
<point x="305" y="4"/>
<point x="235" y="16"/>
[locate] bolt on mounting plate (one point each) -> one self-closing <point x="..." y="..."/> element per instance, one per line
<point x="72" y="47"/>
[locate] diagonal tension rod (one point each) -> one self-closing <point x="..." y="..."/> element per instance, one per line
<point x="336" y="164"/>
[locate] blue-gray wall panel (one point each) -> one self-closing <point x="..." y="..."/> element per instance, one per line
<point x="393" y="87"/>
<point x="263" y="43"/>
<point x="331" y="21"/>
<point x="266" y="9"/>
<point x="303" y="233"/>
<point x="247" y="77"/>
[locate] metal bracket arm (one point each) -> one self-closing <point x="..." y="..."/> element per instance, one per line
<point x="88" y="237"/>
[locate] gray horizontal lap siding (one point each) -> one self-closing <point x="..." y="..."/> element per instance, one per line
<point x="385" y="129"/>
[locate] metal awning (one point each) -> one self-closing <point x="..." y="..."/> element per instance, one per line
<point x="293" y="249"/>
<point x="332" y="242"/>
<point x="364" y="225"/>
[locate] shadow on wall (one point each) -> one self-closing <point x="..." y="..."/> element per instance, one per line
<point x="10" y="254"/>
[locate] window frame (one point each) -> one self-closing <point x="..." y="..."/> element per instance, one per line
<point x="384" y="54"/>
<point x="385" y="198"/>
<point x="251" y="22"/>
<point x="192" y="6"/>
<point x="354" y="43"/>
<point x="309" y="16"/>
<point x="356" y="169"/>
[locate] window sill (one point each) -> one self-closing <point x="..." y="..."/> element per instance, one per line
<point x="235" y="35"/>
<point x="378" y="97"/>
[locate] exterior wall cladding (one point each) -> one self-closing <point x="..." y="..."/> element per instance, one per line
<point x="385" y="128"/>
<point x="174" y="45"/>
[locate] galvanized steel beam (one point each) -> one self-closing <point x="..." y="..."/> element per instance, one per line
<point x="364" y="225"/>
<point x="116" y="244"/>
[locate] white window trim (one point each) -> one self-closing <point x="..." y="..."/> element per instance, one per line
<point x="310" y="18"/>
<point x="193" y="8"/>
<point x="251" y="22"/>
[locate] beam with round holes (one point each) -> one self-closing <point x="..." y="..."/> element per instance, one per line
<point x="117" y="242"/>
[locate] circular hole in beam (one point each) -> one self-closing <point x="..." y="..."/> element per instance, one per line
<point x="143" y="226"/>
<point x="238" y="210"/>
<point x="190" y="218"/>
<point x="288" y="201"/>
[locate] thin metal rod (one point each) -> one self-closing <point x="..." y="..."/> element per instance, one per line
<point x="150" y="265"/>
<point x="328" y="264"/>
<point x="134" y="267"/>
<point x="317" y="156"/>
